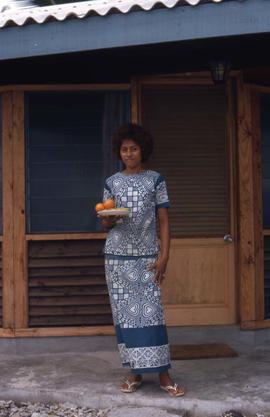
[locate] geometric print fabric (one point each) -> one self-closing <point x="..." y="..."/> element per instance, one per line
<point x="135" y="298"/>
<point x="137" y="314"/>
<point x="131" y="246"/>
<point x="142" y="194"/>
<point x="145" y="358"/>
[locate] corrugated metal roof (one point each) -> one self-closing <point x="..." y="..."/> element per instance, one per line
<point x="20" y="17"/>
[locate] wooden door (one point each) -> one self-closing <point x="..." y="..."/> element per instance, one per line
<point x="193" y="136"/>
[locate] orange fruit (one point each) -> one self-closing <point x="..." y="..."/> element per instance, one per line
<point x="109" y="204"/>
<point x="99" y="207"/>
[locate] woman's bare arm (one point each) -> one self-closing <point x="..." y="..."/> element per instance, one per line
<point x="164" y="228"/>
<point x="161" y="263"/>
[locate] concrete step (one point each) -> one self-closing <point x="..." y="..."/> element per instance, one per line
<point x="144" y="412"/>
<point x="231" y="334"/>
<point x="92" y="380"/>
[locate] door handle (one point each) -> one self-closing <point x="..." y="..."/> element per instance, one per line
<point x="228" y="238"/>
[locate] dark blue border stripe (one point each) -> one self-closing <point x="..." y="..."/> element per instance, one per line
<point x="119" y="336"/>
<point x="163" y="205"/>
<point x="143" y="336"/>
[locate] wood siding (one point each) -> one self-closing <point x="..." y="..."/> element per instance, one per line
<point x="67" y="285"/>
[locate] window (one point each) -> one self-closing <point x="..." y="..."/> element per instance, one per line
<point x="68" y="156"/>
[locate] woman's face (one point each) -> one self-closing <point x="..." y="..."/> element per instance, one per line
<point x="131" y="154"/>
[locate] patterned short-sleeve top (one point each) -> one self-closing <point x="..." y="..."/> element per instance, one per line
<point x="143" y="194"/>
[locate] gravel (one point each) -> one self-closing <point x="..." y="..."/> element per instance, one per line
<point x="27" y="409"/>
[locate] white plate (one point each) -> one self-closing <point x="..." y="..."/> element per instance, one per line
<point x="114" y="212"/>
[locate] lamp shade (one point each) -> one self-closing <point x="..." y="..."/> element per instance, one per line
<point x="220" y="71"/>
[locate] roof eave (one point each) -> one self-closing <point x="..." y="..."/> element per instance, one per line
<point x="231" y="18"/>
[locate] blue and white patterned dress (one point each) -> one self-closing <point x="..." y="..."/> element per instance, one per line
<point x="131" y="246"/>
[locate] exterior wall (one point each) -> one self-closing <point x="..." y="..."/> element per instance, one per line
<point x="24" y="252"/>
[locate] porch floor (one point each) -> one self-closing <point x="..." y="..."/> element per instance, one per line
<point x="86" y="371"/>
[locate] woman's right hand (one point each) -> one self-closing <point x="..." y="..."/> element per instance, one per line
<point x="109" y="221"/>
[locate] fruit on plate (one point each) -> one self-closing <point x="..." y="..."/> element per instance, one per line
<point x="109" y="204"/>
<point x="99" y="207"/>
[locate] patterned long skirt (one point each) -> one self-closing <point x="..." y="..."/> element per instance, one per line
<point x="137" y="314"/>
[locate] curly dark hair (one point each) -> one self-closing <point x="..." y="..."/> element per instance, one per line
<point x="136" y="133"/>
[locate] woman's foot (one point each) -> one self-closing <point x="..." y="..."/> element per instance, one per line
<point x="131" y="384"/>
<point x="172" y="388"/>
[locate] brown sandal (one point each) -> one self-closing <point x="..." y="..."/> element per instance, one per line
<point x="174" y="390"/>
<point x="131" y="386"/>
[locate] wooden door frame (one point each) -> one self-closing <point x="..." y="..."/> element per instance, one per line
<point x="204" y="79"/>
<point x="8" y="218"/>
<point x="253" y="263"/>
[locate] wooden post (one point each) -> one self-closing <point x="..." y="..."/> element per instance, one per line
<point x="8" y="273"/>
<point x="258" y="206"/>
<point x="247" y="255"/>
<point x="20" y="253"/>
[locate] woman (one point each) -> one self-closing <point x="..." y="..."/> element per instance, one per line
<point x="135" y="263"/>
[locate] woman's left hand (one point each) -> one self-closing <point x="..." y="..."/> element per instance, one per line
<point x="160" y="268"/>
